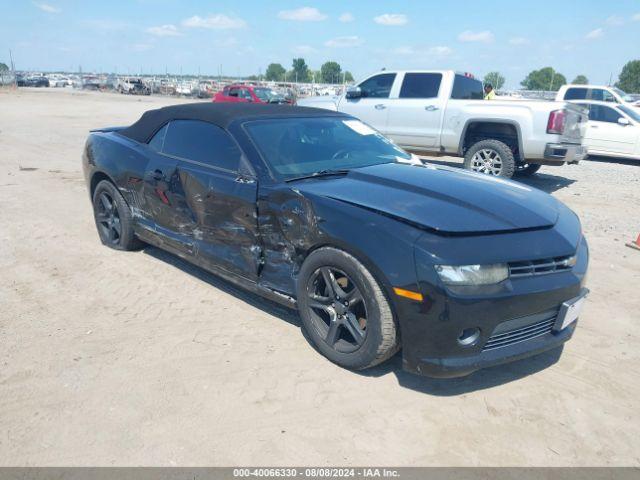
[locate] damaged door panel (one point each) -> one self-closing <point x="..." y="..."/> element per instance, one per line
<point x="288" y="228"/>
<point x="163" y="202"/>
<point x="222" y="206"/>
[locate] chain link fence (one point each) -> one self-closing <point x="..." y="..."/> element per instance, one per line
<point x="7" y="79"/>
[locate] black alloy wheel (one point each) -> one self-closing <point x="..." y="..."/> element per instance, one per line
<point x="337" y="309"/>
<point x="345" y="313"/>
<point x="108" y="219"/>
<point x="113" y="218"/>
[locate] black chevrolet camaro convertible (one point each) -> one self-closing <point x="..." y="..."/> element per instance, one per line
<point x="316" y="210"/>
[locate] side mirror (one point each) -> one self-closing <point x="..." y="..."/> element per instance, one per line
<point x="353" y="92"/>
<point x="624" y="121"/>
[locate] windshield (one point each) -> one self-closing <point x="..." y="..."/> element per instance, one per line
<point x="623" y="94"/>
<point x="630" y="112"/>
<point x="266" y="94"/>
<point x="296" y="147"/>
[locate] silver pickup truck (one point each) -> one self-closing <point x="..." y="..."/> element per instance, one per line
<point x="445" y="112"/>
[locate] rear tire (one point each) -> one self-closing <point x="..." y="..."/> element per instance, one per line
<point x="527" y="169"/>
<point x="491" y="157"/>
<point x="113" y="218"/>
<point x="351" y="322"/>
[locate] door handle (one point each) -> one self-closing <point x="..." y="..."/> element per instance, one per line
<point x="431" y="108"/>
<point x="241" y="179"/>
<point x="157" y="175"/>
<point x="593" y="126"/>
<point x="380" y="106"/>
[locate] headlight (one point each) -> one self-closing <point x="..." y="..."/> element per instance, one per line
<point x="473" y="274"/>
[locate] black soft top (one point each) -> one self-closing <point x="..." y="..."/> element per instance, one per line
<point x="221" y="114"/>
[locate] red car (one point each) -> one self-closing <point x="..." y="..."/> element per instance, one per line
<point x="249" y="93"/>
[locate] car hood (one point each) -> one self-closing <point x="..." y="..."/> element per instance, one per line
<point x="446" y="200"/>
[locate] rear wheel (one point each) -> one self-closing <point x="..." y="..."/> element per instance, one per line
<point x="491" y="157"/>
<point x="113" y="218"/>
<point x="344" y="311"/>
<point x="527" y="169"/>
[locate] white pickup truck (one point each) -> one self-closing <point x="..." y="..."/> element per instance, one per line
<point x="444" y="111"/>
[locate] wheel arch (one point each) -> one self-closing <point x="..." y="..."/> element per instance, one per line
<point x="479" y="128"/>
<point x="96" y="178"/>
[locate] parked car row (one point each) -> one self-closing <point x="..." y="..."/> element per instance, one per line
<point x="250" y="94"/>
<point x="35" y="81"/>
<point x="132" y="86"/>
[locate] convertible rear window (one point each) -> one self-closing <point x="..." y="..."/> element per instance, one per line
<point x="158" y="139"/>
<point x="295" y="147"/>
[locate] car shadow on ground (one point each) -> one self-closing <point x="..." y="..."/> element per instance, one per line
<point x="545" y="182"/>
<point x="479" y="380"/>
<point x="541" y="181"/>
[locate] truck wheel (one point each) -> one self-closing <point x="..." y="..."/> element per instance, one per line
<point x="491" y="157"/>
<point x="527" y="169"/>
<point x="344" y="312"/>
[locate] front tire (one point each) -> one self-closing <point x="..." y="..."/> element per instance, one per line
<point x="491" y="157"/>
<point x="344" y="311"/>
<point x="113" y="218"/>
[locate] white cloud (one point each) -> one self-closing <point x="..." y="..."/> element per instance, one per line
<point x="469" y="36"/>
<point x="226" y="42"/>
<point x="350" y="41"/>
<point x="439" y="51"/>
<point x="304" y="14"/>
<point x="45" y="7"/>
<point x="519" y="41"/>
<point x="303" y="49"/>
<point x="346" y="17"/>
<point x="164" y="31"/>
<point x="435" y="51"/>
<point x="615" y="21"/>
<point x="105" y="25"/>
<point x="217" y="22"/>
<point x="140" y="47"/>
<point x="594" y="34"/>
<point x="391" y="19"/>
<point x="636" y="17"/>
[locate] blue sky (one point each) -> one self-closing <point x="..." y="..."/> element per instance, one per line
<point x="588" y="37"/>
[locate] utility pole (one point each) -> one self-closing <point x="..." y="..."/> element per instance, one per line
<point x="13" y="69"/>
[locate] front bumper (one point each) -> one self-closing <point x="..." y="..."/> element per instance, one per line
<point x="430" y="330"/>
<point x="560" y="153"/>
<point x="451" y="367"/>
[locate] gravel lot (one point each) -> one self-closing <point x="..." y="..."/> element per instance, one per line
<point x="112" y="358"/>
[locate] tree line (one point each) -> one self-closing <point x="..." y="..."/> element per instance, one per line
<point x="548" y="79"/>
<point x="330" y="72"/>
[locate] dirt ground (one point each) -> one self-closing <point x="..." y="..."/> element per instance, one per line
<point x="110" y="358"/>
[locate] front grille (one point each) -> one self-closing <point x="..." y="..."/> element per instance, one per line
<point x="541" y="267"/>
<point x="504" y="335"/>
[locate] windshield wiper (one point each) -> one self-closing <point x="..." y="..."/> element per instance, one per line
<point x="321" y="173"/>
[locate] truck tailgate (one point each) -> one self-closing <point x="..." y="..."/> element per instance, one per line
<point x="575" y="124"/>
